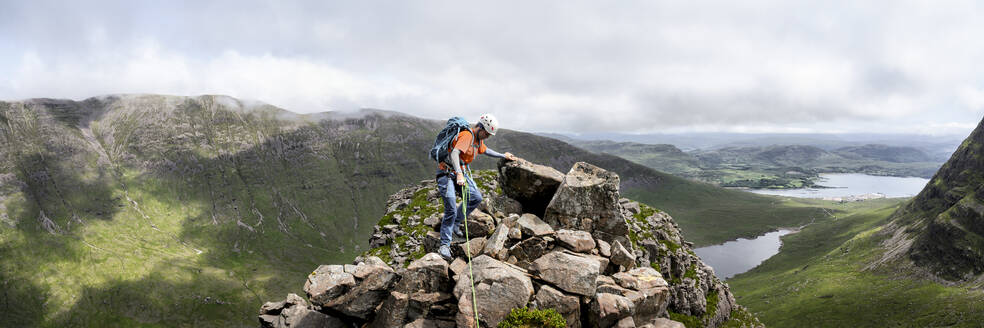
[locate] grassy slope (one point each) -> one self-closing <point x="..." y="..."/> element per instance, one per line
<point x="180" y="223"/>
<point x="817" y="280"/>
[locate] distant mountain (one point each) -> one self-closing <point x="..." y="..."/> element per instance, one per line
<point x="127" y="210"/>
<point x="942" y="228"/>
<point x="776" y="155"/>
<point x="940" y="147"/>
<point x="666" y="158"/>
<point x="774" y="166"/>
<point x="885" y="153"/>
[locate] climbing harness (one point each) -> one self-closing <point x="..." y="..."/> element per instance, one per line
<point x="471" y="275"/>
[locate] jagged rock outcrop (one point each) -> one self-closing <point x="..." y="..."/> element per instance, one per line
<point x="587" y="200"/>
<point x="941" y="230"/>
<point x="532" y="185"/>
<point x="294" y="312"/>
<point x="597" y="259"/>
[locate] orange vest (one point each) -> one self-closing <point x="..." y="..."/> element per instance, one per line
<point x="469" y="148"/>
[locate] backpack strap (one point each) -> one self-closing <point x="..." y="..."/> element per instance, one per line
<point x="448" y="166"/>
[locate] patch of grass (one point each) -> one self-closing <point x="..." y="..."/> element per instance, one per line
<point x="645" y="211"/>
<point x="691" y="273"/>
<point x="670" y="245"/>
<point x="687" y="320"/>
<point x="741" y="318"/>
<point x="530" y="318"/>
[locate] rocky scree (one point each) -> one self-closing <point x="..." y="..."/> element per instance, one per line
<point x="597" y="259"/>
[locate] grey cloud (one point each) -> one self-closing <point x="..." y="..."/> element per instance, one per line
<point x="558" y="66"/>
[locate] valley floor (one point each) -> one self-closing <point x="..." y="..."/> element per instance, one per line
<point x="817" y="280"/>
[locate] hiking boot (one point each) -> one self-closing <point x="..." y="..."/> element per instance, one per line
<point x="445" y="252"/>
<point x="458" y="232"/>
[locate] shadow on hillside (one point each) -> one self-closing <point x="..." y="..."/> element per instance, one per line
<point x="21" y="301"/>
<point x="174" y="296"/>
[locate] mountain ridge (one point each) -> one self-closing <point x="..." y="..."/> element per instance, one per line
<point x="142" y="207"/>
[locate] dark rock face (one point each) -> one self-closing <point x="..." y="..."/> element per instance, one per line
<point x="530" y="249"/>
<point x="362" y="301"/>
<point x="294" y="312"/>
<point x="945" y="222"/>
<point x="328" y="282"/>
<point x="588" y="200"/>
<point x="531" y="184"/>
<point x="575" y="262"/>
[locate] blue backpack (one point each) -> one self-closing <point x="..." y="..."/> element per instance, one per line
<point x="446" y="137"/>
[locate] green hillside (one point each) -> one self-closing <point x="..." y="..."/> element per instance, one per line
<point x="172" y="211"/>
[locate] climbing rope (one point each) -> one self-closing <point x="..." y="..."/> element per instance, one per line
<point x="464" y="210"/>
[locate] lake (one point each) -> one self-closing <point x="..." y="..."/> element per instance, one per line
<point x="851" y="184"/>
<point x="741" y="255"/>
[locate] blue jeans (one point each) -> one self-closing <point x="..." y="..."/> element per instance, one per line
<point x="452" y="214"/>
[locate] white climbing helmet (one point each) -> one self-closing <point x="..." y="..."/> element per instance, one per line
<point x="489" y="123"/>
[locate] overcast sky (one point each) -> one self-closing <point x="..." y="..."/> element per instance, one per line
<point x="557" y="66"/>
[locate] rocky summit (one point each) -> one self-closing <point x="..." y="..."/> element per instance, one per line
<point x="541" y="240"/>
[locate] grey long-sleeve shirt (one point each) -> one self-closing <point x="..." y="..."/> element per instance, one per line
<point x="456" y="158"/>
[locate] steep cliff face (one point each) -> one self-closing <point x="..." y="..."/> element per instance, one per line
<point x="942" y="228"/>
<point x="597" y="259"/>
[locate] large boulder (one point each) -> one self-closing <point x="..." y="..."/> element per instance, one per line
<point x="498" y="288"/>
<point x="392" y="312"/>
<point x="361" y="301"/>
<point x="647" y="278"/>
<point x="495" y="245"/>
<point x="480" y="224"/>
<point x="575" y="240"/>
<point x="473" y="246"/>
<point x="428" y="273"/>
<point x="663" y="323"/>
<point x="566" y="305"/>
<point x="434" y="304"/>
<point x="327" y="282"/>
<point x="622" y="256"/>
<point x="529" y="249"/>
<point x="588" y="200"/>
<point x="294" y="312"/>
<point x="533" y="185"/>
<point x="571" y="272"/>
<point x="607" y="309"/>
<point x="531" y="226"/>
